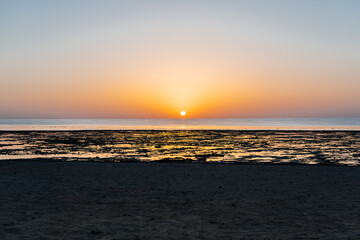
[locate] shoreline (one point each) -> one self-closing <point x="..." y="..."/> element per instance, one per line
<point x="196" y="146"/>
<point x="254" y="129"/>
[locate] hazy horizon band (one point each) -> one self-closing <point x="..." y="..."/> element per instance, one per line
<point x="183" y="124"/>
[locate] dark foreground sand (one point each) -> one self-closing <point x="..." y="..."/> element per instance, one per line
<point x="74" y="200"/>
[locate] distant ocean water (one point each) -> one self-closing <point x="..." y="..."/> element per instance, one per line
<point x="183" y="124"/>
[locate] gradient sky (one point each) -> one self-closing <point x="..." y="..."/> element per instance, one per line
<point x="152" y="59"/>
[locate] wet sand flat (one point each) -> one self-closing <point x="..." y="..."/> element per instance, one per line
<point x="92" y="200"/>
<point x="196" y="146"/>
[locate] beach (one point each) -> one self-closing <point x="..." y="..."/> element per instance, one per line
<point x="91" y="200"/>
<point x="179" y="120"/>
<point x="203" y="184"/>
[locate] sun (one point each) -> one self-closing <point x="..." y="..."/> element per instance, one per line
<point x="183" y="113"/>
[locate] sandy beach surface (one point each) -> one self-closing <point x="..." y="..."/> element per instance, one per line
<point x="92" y="200"/>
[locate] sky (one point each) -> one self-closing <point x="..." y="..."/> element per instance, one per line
<point x="153" y="59"/>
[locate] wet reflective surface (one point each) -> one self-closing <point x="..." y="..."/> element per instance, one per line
<point x="197" y="146"/>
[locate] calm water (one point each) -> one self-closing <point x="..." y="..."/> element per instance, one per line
<point x="238" y="123"/>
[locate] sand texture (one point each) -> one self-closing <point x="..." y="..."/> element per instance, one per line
<point x="91" y="200"/>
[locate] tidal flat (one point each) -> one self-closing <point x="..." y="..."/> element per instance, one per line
<point x="187" y="146"/>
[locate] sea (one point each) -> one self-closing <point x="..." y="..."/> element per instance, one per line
<point x="183" y="124"/>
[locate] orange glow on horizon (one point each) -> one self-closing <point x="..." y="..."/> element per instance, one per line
<point x="206" y="88"/>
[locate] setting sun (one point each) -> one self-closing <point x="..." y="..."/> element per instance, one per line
<point x="182" y="113"/>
